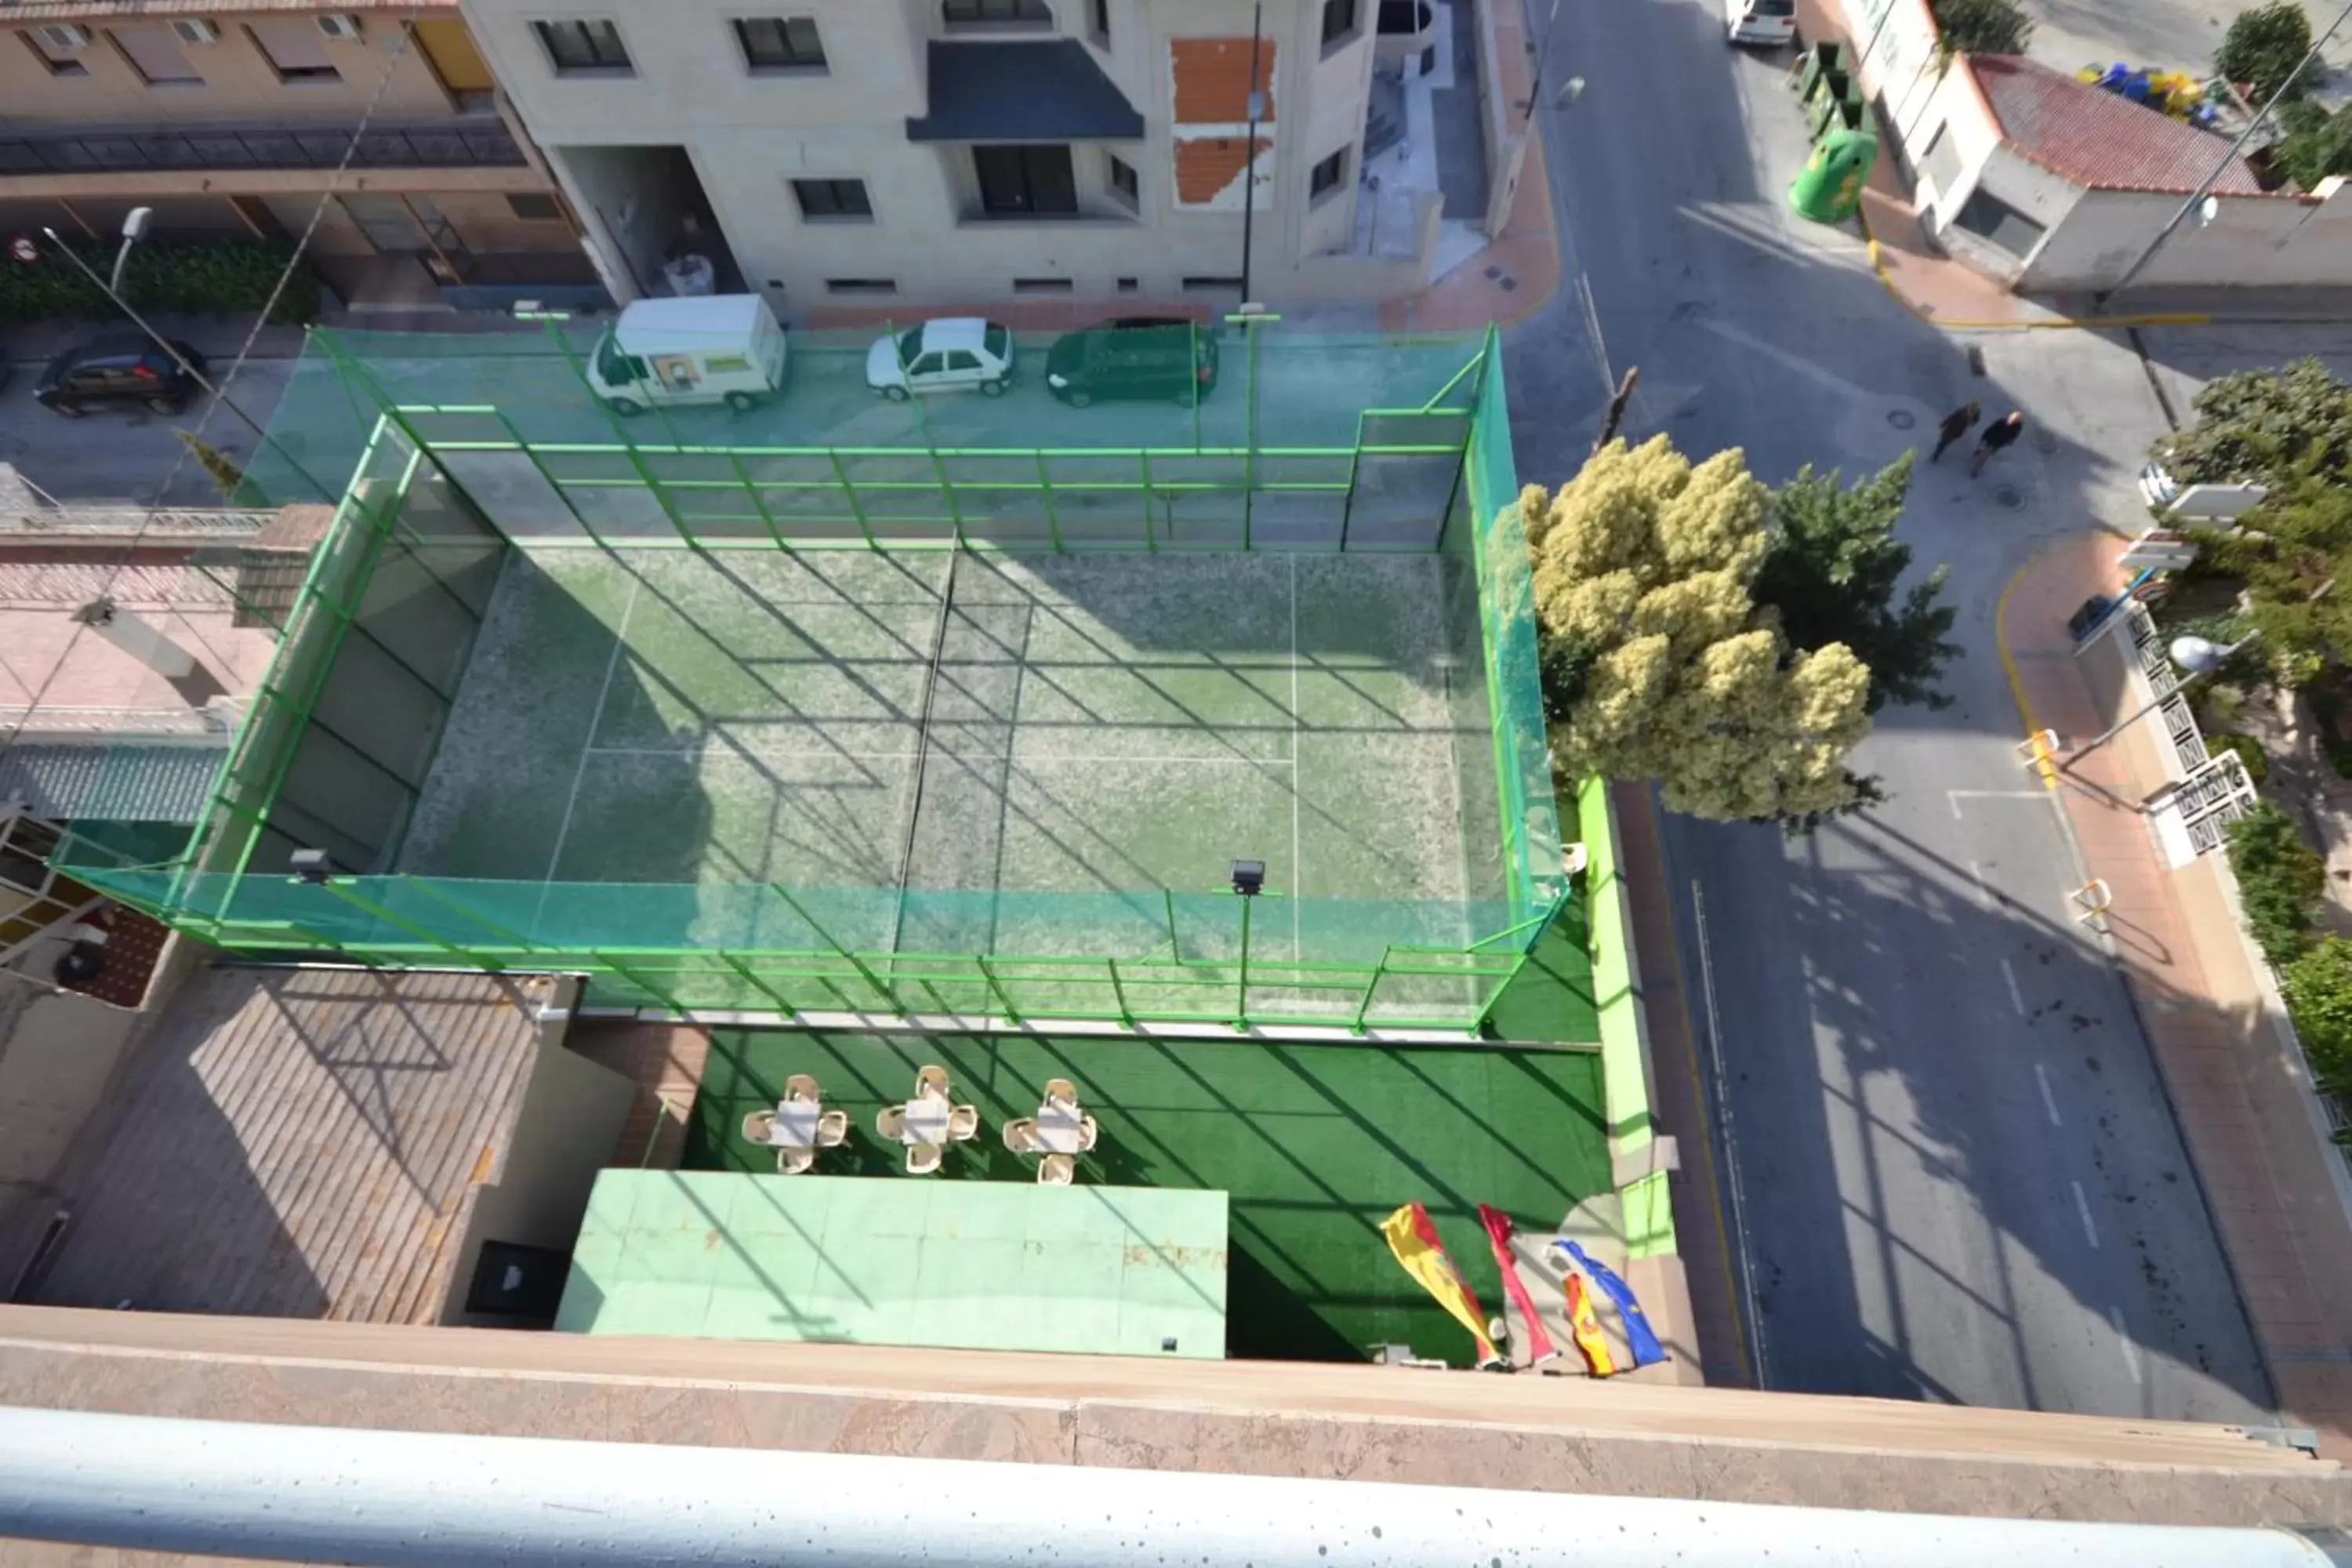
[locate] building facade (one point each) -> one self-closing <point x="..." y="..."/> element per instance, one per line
<point x="831" y="152"/>
<point x="232" y="121"/>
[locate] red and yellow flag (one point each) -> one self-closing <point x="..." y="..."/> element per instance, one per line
<point x="1414" y="1241"/>
<point x="1584" y="1326"/>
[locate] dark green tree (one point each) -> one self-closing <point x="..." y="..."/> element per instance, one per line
<point x="2265" y="424"/>
<point x="2265" y="47"/>
<point x="1833" y="571"/>
<point x="2317" y="143"/>
<point x="1980" y="26"/>
<point x="2295" y="555"/>
<point x="2281" y="880"/>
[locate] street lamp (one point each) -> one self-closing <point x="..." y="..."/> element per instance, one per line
<point x="2200" y="656"/>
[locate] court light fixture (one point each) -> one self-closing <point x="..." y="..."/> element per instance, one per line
<point x="311" y="866"/>
<point x="1249" y="877"/>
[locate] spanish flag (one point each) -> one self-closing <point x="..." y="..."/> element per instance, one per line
<point x="1414" y="1241"/>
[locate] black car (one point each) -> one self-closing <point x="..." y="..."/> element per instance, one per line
<point x="1134" y="357"/>
<point x="119" y="371"/>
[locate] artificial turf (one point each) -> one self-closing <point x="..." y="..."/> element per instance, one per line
<point x="1315" y="1144"/>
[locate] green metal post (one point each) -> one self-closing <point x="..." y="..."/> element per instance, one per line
<point x="1195" y="361"/>
<point x="1175" y="948"/>
<point x="826" y="937"/>
<point x="1469" y="442"/>
<point x="997" y="991"/>
<point x="1348" y="503"/>
<point x="371" y="908"/>
<point x="1046" y="499"/>
<point x="1118" y="994"/>
<point x="849" y="493"/>
<point x="1372" y="985"/>
<point x="1143" y="457"/>
<point x="1240" y="996"/>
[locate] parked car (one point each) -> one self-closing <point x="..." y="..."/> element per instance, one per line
<point x="949" y="355"/>
<point x="1771" y="22"/>
<point x="1133" y="357"/>
<point x="119" y="371"/>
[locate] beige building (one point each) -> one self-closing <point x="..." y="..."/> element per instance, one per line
<point x="847" y="151"/>
<point x="230" y="120"/>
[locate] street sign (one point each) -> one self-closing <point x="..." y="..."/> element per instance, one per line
<point x="2158" y="550"/>
<point x="23" y="249"/>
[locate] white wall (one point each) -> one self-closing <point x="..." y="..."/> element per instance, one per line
<point x="2274" y="241"/>
<point x="2023" y="184"/>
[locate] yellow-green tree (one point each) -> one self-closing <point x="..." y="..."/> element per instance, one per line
<point x="1658" y="664"/>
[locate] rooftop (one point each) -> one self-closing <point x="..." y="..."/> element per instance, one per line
<point x="2097" y="139"/>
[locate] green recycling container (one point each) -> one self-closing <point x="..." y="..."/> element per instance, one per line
<point x="1828" y="189"/>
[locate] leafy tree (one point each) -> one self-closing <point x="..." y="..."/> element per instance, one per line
<point x="2263" y="48"/>
<point x="2317" y="143"/>
<point x="2318" y="987"/>
<point x="1980" y="26"/>
<point x="1832" y="571"/>
<point x="1662" y="667"/>
<point x="2295" y="555"/>
<point x="2265" y="424"/>
<point x="226" y="477"/>
<point x="2281" y="880"/>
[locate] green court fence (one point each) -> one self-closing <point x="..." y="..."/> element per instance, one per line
<point x="338" y="742"/>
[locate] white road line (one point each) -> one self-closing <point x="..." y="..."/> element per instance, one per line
<point x="1956" y="795"/>
<point x="1984" y="889"/>
<point x="2083" y="1207"/>
<point x="2048" y="1101"/>
<point x="2016" y="997"/>
<point x="2131" y="1351"/>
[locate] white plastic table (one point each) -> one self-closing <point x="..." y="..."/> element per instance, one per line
<point x="927" y="1121"/>
<point x="1060" y="1127"/>
<point x="795" y="1124"/>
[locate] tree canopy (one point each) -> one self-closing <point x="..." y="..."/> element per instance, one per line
<point x="2265" y="424"/>
<point x="1833" y="573"/>
<point x="2295" y="555"/>
<point x="1659" y="664"/>
<point x="2265" y="47"/>
<point x="1981" y="27"/>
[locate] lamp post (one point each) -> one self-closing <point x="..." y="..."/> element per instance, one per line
<point x="2200" y="656"/>
<point x="1249" y="148"/>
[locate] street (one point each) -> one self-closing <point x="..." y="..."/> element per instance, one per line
<point x="130" y="458"/>
<point x="1957" y="1175"/>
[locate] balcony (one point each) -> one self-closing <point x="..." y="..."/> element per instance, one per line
<point x="479" y="141"/>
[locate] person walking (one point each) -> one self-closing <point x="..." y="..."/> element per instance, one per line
<point x="1996" y="437"/>
<point x="1956" y="424"/>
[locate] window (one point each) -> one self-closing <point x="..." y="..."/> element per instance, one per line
<point x="982" y="13"/>
<point x="1042" y="286"/>
<point x="1025" y="182"/>
<point x="582" y="49"/>
<point x="831" y="199"/>
<point x="294" y="47"/>
<point x="1123" y="183"/>
<point x="1212" y="285"/>
<point x="1327" y="175"/>
<point x="535" y="206"/>
<point x="1988" y="217"/>
<point x="617" y="368"/>
<point x="1339" y="22"/>
<point x="156" y="55"/>
<point x="1098" y="22"/>
<point x="861" y="285"/>
<point x="780" y="43"/>
<point x="964" y="360"/>
<point x="1130" y="285"/>
<point x="54" y="63"/>
<point x="1941" y="162"/>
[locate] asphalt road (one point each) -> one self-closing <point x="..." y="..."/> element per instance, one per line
<point x="132" y="458"/>
<point x="1957" y="1175"/>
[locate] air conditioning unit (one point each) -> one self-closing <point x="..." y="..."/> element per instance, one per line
<point x="339" y="25"/>
<point x="195" y="30"/>
<point x="64" y="36"/>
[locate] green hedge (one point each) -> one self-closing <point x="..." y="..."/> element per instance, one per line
<point x="226" y="278"/>
<point x="2280" y="879"/>
<point x="2318" y="988"/>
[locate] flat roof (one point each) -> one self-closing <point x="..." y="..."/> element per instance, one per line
<point x="298" y="1143"/>
<point x="901" y="1260"/>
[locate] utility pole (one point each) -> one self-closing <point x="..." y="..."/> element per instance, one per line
<point x="1249" y="155"/>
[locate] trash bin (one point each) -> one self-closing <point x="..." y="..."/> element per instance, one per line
<point x="1828" y="189"/>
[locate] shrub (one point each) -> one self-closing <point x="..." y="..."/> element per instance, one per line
<point x="2248" y="750"/>
<point x="2316" y="144"/>
<point x="1983" y="26"/>
<point x="2280" y="879"/>
<point x="2263" y="48"/>
<point x="2318" y="988"/>
<point x="226" y="278"/>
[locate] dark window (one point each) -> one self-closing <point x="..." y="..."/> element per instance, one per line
<point x="1339" y="21"/>
<point x="997" y="341"/>
<point x="832" y="198"/>
<point x="511" y="1280"/>
<point x="861" y="285"/>
<point x="1099" y="15"/>
<point x="1325" y="176"/>
<point x="966" y="13"/>
<point x="962" y="359"/>
<point x="294" y="47"/>
<point x="1994" y="220"/>
<point x="1123" y="183"/>
<point x="1212" y="285"/>
<point x="1041" y="285"/>
<point x="579" y="48"/>
<point x="1020" y="181"/>
<point x="1130" y="285"/>
<point x="534" y="208"/>
<point x="617" y="368"/>
<point x="780" y="43"/>
<point x="57" y="64"/>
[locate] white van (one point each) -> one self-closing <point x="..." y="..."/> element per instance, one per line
<point x="1770" y="22"/>
<point x="718" y="348"/>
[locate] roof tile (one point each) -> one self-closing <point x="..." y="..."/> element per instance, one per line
<point x="2099" y="139"/>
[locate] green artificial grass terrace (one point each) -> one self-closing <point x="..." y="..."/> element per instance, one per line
<point x="1316" y="1144"/>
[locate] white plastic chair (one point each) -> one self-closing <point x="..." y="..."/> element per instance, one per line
<point x="759" y="1125"/>
<point x="922" y="1159"/>
<point x="1056" y="1171"/>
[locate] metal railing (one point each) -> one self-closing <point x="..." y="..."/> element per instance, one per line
<point x="476" y="142"/>
<point x="49" y="721"/>
<point x="174" y="523"/>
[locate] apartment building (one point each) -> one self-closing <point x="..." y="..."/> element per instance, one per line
<point x="230" y="120"/>
<point x="832" y="151"/>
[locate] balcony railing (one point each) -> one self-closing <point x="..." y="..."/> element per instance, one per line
<point x="481" y="142"/>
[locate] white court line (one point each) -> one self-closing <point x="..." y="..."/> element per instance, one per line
<point x="2131" y="1351"/>
<point x="2083" y="1207"/>
<point x="1984" y="889"/>
<point x="1956" y="795"/>
<point x="2048" y="1101"/>
<point x="736" y="745"/>
<point x="620" y="644"/>
<point x="2016" y="997"/>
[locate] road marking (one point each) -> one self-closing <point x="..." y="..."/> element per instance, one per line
<point x="2083" y="1207"/>
<point x="2016" y="997"/>
<point x="1984" y="889"/>
<point x="1957" y="795"/>
<point x="2048" y="1101"/>
<point x="2131" y="1351"/>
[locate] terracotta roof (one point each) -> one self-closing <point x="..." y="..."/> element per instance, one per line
<point x="2098" y="139"/>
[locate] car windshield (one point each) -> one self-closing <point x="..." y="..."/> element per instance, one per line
<point x="910" y="346"/>
<point x="998" y="341"/>
<point x="611" y="363"/>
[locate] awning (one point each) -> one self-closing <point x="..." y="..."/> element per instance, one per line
<point x="1051" y="92"/>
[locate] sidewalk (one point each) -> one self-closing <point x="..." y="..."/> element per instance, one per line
<point x="2236" y="1086"/>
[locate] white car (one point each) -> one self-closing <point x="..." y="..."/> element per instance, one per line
<point x="949" y="355"/>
